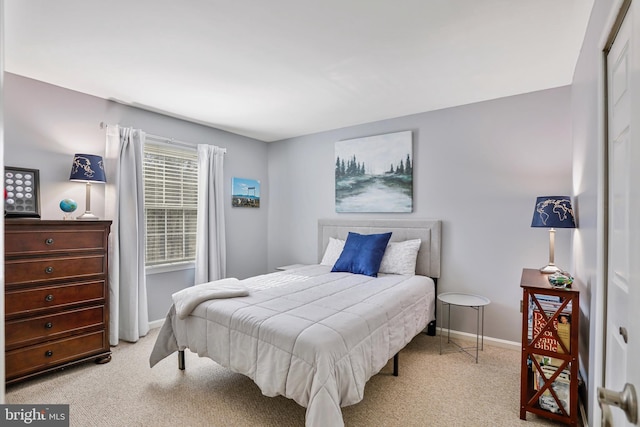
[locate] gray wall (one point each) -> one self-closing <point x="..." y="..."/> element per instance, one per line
<point x="478" y="168"/>
<point x="588" y="147"/>
<point x="46" y="125"/>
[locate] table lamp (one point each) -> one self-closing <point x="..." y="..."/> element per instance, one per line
<point x="553" y="212"/>
<point x="87" y="168"/>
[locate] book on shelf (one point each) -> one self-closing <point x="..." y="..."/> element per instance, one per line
<point x="549" y="304"/>
<point x="561" y="386"/>
<point x="548" y="341"/>
<point x="553" y="361"/>
<point x="549" y="298"/>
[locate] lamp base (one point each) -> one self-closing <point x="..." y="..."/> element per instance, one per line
<point x="87" y="216"/>
<point x="550" y="269"/>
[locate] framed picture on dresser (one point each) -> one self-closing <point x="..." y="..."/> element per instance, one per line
<point x="21" y="192"/>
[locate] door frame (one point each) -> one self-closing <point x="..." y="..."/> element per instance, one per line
<point x="2" y="356"/>
<point x="598" y="348"/>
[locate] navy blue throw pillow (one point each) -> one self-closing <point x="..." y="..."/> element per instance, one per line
<point x="362" y="253"/>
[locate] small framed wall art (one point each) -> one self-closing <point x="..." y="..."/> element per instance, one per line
<point x="245" y="193"/>
<point x="21" y="192"/>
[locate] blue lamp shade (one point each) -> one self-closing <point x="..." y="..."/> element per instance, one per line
<point x="553" y="212"/>
<point x="87" y="168"/>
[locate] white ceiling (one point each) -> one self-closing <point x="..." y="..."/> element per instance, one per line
<point x="274" y="69"/>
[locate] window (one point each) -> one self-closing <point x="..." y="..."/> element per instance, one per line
<point x="170" y="203"/>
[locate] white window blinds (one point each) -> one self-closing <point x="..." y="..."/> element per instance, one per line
<point x="170" y="203"/>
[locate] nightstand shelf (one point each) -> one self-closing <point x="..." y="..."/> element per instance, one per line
<point x="549" y="364"/>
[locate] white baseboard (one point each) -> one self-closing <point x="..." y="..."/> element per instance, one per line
<point x="497" y="342"/>
<point x="156" y="324"/>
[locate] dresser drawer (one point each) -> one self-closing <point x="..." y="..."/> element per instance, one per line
<point x="47" y="355"/>
<point x="34" y="300"/>
<point x="31" y="242"/>
<point x="44" y="269"/>
<point x="36" y="329"/>
<point x="56" y="295"/>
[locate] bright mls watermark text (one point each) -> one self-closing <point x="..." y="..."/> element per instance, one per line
<point x="35" y="415"/>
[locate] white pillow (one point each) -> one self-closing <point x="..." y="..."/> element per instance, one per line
<point x="401" y="257"/>
<point x="333" y="251"/>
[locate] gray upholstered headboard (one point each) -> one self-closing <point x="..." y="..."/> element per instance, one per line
<point x="429" y="231"/>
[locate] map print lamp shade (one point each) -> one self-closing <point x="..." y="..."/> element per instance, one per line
<point x="87" y="168"/>
<point x="553" y="212"/>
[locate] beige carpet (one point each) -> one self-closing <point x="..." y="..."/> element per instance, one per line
<point x="432" y="390"/>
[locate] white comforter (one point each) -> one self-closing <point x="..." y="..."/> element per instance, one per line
<point x="310" y="335"/>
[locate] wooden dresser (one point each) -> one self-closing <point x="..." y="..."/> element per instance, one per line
<point x="56" y="295"/>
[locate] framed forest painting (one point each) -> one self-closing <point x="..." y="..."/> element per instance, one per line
<point x="375" y="173"/>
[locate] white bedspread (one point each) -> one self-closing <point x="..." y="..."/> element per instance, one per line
<point x="307" y="334"/>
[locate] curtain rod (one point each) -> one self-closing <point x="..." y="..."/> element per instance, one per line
<point x="173" y="141"/>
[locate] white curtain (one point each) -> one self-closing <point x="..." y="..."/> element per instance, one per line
<point x="128" y="312"/>
<point x="211" y="254"/>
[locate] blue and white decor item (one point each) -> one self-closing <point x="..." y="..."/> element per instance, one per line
<point x="68" y="206"/>
<point x="375" y="173"/>
<point x="553" y="212"/>
<point x="87" y="168"/>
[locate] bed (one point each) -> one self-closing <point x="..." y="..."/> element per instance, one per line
<point x="312" y="334"/>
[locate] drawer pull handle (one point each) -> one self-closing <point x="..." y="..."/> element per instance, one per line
<point x="49" y="241"/>
<point x="48" y="270"/>
<point x="48" y="353"/>
<point x="48" y="325"/>
<point x="48" y="298"/>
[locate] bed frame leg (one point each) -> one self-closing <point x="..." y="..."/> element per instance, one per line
<point x="395" y="365"/>
<point x="181" y="360"/>
<point x="431" y="328"/>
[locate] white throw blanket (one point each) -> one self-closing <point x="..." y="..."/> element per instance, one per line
<point x="189" y="298"/>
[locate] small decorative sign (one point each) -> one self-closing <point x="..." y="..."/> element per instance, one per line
<point x="22" y="192"/>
